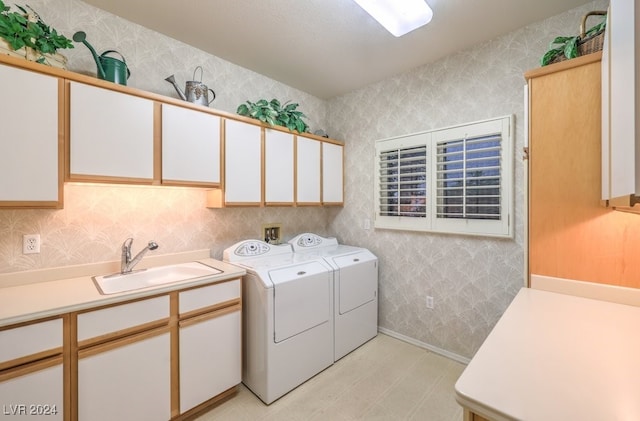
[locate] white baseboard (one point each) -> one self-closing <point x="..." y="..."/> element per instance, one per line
<point x="432" y="348"/>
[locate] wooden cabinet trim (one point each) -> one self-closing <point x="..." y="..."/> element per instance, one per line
<point x="31" y="358"/>
<point x="24" y="369"/>
<point x="117" y="343"/>
<point x="122" y="333"/>
<point x="563" y="65"/>
<point x="188" y="321"/>
<point x="205" y="406"/>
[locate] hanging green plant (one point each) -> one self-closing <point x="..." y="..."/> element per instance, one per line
<point x="25" y="28"/>
<point x="275" y="114"/>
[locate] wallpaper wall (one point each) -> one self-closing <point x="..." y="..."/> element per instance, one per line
<point x="96" y="219"/>
<point x="472" y="279"/>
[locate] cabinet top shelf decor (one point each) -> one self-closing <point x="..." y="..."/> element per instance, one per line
<point x="89" y="80"/>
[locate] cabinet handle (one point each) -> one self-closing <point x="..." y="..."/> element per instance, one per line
<point x="302" y="272"/>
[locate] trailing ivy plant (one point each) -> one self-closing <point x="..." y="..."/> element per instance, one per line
<point x="19" y="31"/>
<point x="569" y="45"/>
<point x="275" y="114"/>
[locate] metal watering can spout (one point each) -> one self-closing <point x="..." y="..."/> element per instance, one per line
<point x="172" y="80"/>
<point x="82" y="37"/>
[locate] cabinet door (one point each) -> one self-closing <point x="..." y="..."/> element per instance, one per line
<point x="278" y="167"/>
<point x="30" y="146"/>
<point x="620" y="149"/>
<point x="332" y="174"/>
<point x="308" y="171"/>
<point x="33" y="391"/>
<point x="128" y="379"/>
<point x="243" y="163"/>
<point x="210" y="356"/>
<point x="30" y="342"/>
<point x="190" y="147"/>
<point x="110" y="135"/>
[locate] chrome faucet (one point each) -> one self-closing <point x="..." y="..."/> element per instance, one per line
<point x="127" y="263"/>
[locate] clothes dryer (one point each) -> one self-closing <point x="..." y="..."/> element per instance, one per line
<point x="287" y="316"/>
<point x="355" y="286"/>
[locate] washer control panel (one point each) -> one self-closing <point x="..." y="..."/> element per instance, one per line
<point x="308" y="241"/>
<point x="249" y="249"/>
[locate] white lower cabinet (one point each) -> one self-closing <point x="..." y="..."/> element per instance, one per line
<point x="128" y="379"/>
<point x="34" y="391"/>
<point x="210" y="356"/>
<point x="31" y="371"/>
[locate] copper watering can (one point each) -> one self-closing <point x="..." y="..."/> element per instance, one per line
<point x="195" y="91"/>
<point x="109" y="68"/>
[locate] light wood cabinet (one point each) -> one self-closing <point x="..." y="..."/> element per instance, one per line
<point x="31" y="158"/>
<point x="571" y="235"/>
<point x="308" y="170"/>
<point x="332" y="173"/>
<point x="190" y="147"/>
<point x="32" y="373"/>
<point x="111" y="136"/>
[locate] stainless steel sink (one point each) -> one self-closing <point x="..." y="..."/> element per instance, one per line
<point x="145" y="278"/>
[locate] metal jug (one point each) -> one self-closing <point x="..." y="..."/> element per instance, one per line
<point x="109" y="68"/>
<point x="195" y="91"/>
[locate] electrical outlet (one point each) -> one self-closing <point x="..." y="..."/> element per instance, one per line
<point x="429" y="302"/>
<point x="30" y="243"/>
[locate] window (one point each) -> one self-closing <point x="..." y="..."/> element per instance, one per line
<point x="455" y="180"/>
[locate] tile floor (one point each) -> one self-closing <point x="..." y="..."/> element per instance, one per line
<point x="385" y="379"/>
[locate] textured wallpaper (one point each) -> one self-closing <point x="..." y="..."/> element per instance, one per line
<point x="472" y="279"/>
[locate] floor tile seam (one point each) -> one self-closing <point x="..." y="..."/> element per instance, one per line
<point x="427" y="392"/>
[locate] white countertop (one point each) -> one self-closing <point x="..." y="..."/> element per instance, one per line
<point x="32" y="301"/>
<point x="557" y="357"/>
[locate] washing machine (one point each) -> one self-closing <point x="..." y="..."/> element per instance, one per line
<point x="355" y="274"/>
<point x="287" y="308"/>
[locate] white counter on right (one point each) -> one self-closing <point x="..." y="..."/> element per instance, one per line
<point x="557" y="357"/>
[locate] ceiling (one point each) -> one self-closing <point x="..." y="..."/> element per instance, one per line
<point x="328" y="47"/>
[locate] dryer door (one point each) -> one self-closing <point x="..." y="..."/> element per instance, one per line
<point x="302" y="298"/>
<point x="356" y="280"/>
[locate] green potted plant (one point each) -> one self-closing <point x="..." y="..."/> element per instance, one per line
<point x="571" y="47"/>
<point x="275" y="114"/>
<point x="24" y="34"/>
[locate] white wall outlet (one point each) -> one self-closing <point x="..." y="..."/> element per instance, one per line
<point x="30" y="243"/>
<point x="429" y="302"/>
<point x="366" y="223"/>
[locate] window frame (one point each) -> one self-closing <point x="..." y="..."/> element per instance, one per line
<point x="503" y="227"/>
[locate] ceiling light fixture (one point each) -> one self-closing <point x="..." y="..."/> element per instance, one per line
<point x="398" y="16"/>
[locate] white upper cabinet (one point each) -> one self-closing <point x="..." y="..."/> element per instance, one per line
<point x="278" y="171"/>
<point x="190" y="147"/>
<point x="620" y="151"/>
<point x="243" y="164"/>
<point x="308" y="171"/>
<point x="332" y="173"/>
<point x="111" y="135"/>
<point x="30" y="161"/>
